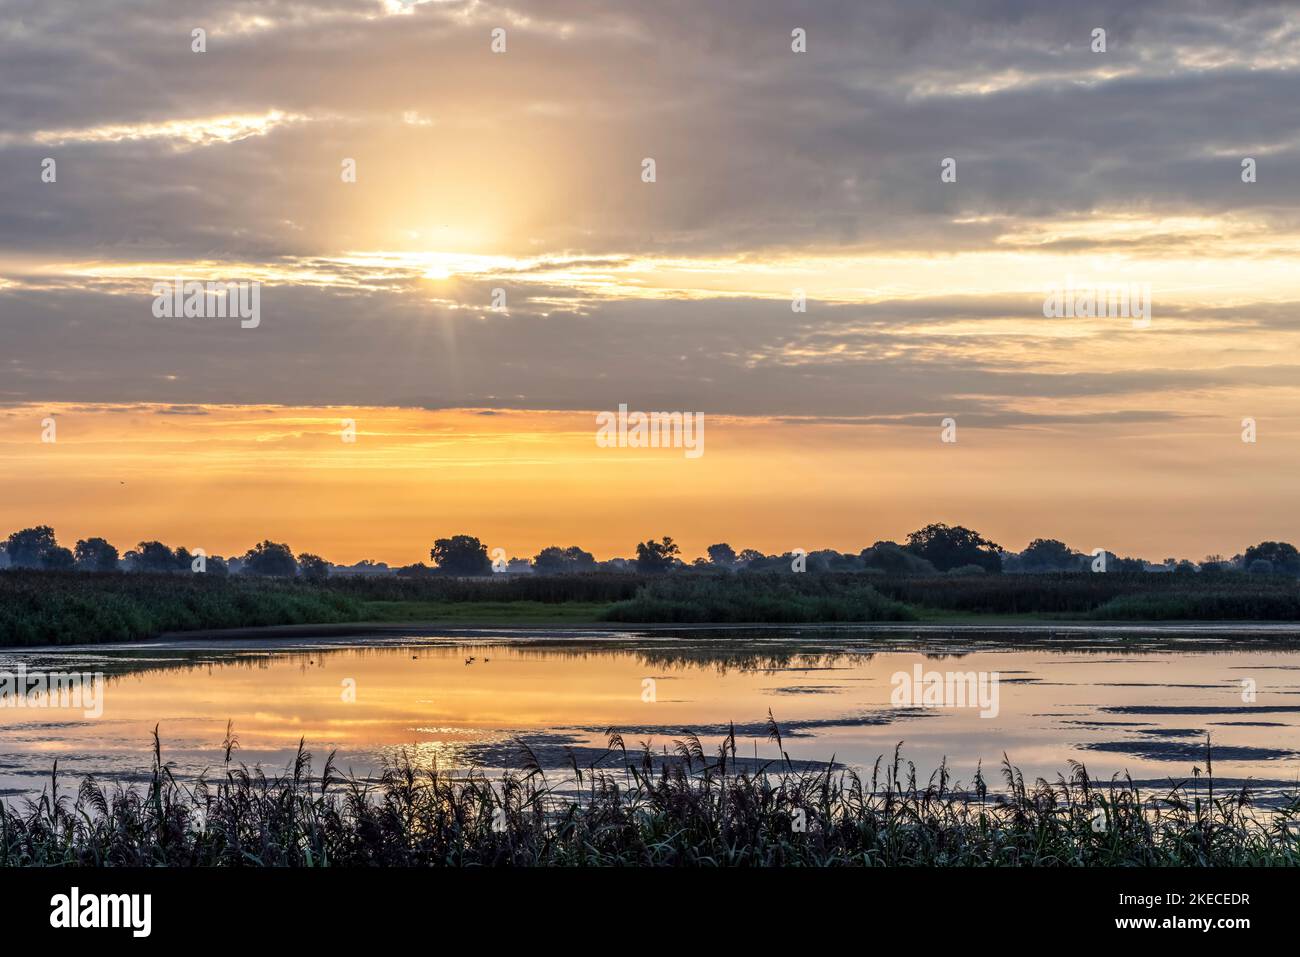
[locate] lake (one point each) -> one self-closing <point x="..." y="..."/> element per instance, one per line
<point x="1137" y="701"/>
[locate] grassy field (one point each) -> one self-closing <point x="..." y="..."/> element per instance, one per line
<point x="692" y="809"/>
<point x="76" y="607"/>
<point x="485" y="612"/>
<point x="785" y="599"/>
<point x="53" y="608"/>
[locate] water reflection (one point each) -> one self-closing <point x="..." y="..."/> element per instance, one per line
<point x="1124" y="701"/>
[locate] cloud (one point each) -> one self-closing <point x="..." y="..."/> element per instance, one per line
<point x="757" y="147"/>
<point x="522" y="170"/>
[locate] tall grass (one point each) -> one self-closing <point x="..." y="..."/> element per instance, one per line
<point x="1133" y="595"/>
<point x="551" y="589"/>
<point x="40" y="608"/>
<point x="759" y="598"/>
<point x="698" y="810"/>
<point x="46" y="607"/>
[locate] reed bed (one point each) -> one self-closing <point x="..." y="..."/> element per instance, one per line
<point x="58" y="608"/>
<point x="695" y="810"/>
<point x="54" y="607"/>
<point x="759" y="597"/>
<point x="1131" y="596"/>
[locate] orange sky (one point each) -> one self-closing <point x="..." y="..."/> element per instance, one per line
<point x="437" y="222"/>
<point x="230" y="476"/>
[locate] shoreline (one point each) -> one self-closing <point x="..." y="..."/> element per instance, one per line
<point x="552" y="629"/>
<point x="432" y="628"/>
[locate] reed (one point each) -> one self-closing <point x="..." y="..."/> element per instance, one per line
<point x="50" y="608"/>
<point x="759" y="597"/>
<point x="694" y="808"/>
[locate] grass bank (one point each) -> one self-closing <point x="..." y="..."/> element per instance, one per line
<point x="38" y="607"/>
<point x="1133" y="596"/>
<point x="53" y="608"/>
<point x="486" y="612"/>
<point x="759" y="598"/>
<point x="698" y="810"/>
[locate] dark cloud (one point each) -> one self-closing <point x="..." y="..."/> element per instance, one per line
<point x="757" y="147"/>
<point x="758" y="150"/>
<point x="723" y="356"/>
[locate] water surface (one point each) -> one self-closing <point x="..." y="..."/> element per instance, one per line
<point x="1122" y="701"/>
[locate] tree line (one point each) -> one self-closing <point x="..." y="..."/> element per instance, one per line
<point x="38" y="548"/>
<point x="935" y="549"/>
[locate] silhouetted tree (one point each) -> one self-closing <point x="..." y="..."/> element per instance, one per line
<point x="1048" y="554"/>
<point x="829" y="560"/>
<point x="461" y="555"/>
<point x="154" y="557"/>
<point x="556" y="560"/>
<point x="313" y="567"/>
<point x="58" y="558"/>
<point x="722" y="554"/>
<point x="270" y="559"/>
<point x="1282" y="556"/>
<point x="1115" y="564"/>
<point x="892" y="559"/>
<point x="95" y="555"/>
<point x="367" y="567"/>
<point x="756" y="561"/>
<point x="653" y="557"/>
<point x="28" y="548"/>
<point x="947" y="547"/>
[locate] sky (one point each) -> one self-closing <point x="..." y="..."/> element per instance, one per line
<point x="501" y="270"/>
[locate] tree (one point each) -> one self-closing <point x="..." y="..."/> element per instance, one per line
<point x="1114" y="564"/>
<point x="756" y="561"/>
<point x="947" y="547"/>
<point x="892" y="559"/>
<point x="554" y="560"/>
<point x="314" y="568"/>
<point x="95" y="555"/>
<point x="270" y="559"/>
<point x="368" y="567"/>
<point x="28" y="548"/>
<point x="722" y="554"/>
<point x="154" y="557"/>
<point x="829" y="560"/>
<point x="461" y="555"/>
<point x="58" y="558"/>
<point x="1048" y="554"/>
<point x="654" y="557"/>
<point x="1281" y="556"/>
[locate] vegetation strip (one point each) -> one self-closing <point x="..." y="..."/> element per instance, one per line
<point x="700" y="810"/>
